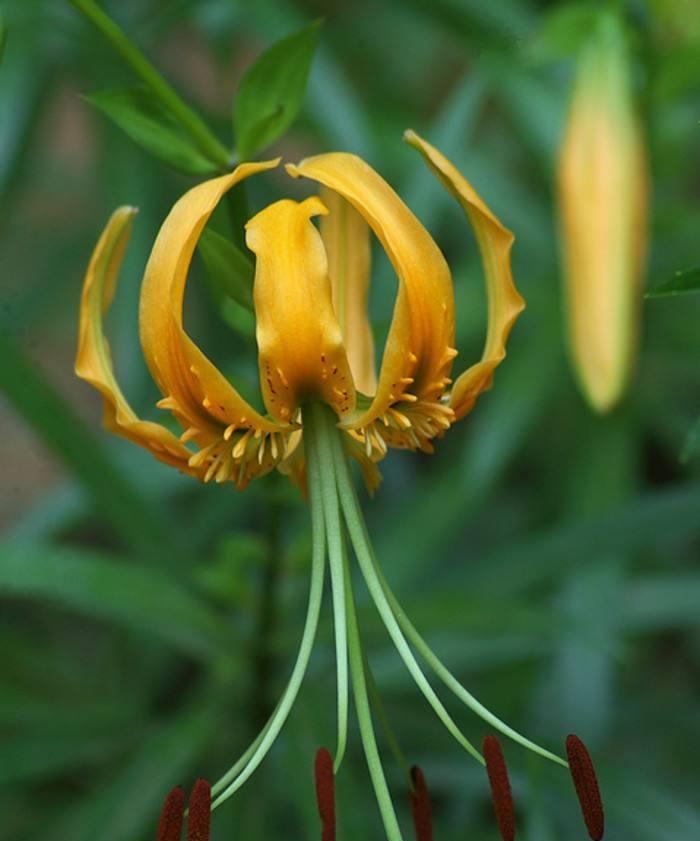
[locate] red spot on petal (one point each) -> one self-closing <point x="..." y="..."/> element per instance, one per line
<point x="586" y="785"/>
<point x="170" y="824"/>
<point x="420" y="806"/>
<point x="325" y="793"/>
<point x="501" y="793"/>
<point x="199" y="820"/>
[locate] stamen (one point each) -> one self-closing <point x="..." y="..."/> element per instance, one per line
<point x="199" y="820"/>
<point x="325" y="793"/>
<point x="501" y="793"/>
<point x="420" y="806"/>
<point x="586" y="785"/>
<point x="170" y="824"/>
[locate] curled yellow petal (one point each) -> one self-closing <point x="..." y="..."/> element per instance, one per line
<point x="345" y="235"/>
<point x="300" y="344"/>
<point x="418" y="353"/>
<point x="194" y="389"/>
<point x="94" y="362"/>
<point x="504" y="301"/>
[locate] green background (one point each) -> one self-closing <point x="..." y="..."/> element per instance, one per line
<point x="549" y="555"/>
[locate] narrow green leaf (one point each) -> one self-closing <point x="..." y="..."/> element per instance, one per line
<point x="682" y="283"/>
<point x="136" y="597"/>
<point x="230" y="268"/>
<point x="34" y="757"/>
<point x="272" y="90"/>
<point x="139" y="115"/>
<point x="121" y="503"/>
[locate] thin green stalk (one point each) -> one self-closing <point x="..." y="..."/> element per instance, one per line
<point x="186" y="116"/>
<point x="320" y="455"/>
<point x="237" y="775"/>
<point x="364" y="718"/>
<point x="360" y="542"/>
<point x="358" y="531"/>
<point x="376" y="701"/>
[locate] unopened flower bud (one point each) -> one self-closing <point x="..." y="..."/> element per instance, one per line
<point x="603" y="194"/>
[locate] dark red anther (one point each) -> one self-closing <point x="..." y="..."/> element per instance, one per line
<point x="420" y="806"/>
<point x="199" y="819"/>
<point x="586" y="785"/>
<point x="501" y="793"/>
<point x="325" y="793"/>
<point x="170" y="824"/>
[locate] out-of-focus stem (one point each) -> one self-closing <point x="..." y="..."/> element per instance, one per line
<point x="186" y="116"/>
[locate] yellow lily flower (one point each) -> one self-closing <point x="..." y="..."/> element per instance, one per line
<point x="313" y="333"/>
<point x="323" y="398"/>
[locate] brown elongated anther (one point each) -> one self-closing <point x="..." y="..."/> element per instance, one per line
<point x="325" y="793"/>
<point x="199" y="819"/>
<point x="586" y="785"/>
<point x="420" y="806"/>
<point x="170" y="824"/>
<point x="501" y="793"/>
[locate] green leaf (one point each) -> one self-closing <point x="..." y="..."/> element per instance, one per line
<point x="272" y="90"/>
<point x="682" y="283"/>
<point x="137" y="597"/>
<point x="230" y="268"/>
<point x="140" y="116"/>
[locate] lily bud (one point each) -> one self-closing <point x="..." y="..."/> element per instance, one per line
<point x="603" y="190"/>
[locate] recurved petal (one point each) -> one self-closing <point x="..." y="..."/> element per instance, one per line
<point x="417" y="354"/>
<point x="504" y="302"/>
<point x="94" y="362"/>
<point x="197" y="393"/>
<point x="345" y="235"/>
<point x="300" y="344"/>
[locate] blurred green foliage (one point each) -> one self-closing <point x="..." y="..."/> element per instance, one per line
<point x="147" y="623"/>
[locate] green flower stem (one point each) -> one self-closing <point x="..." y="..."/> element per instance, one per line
<point x="391" y="605"/>
<point x="451" y="681"/>
<point x="364" y="718"/>
<point x="237" y="775"/>
<point x="215" y="151"/>
<point x="319" y="452"/>
<point x="361" y="545"/>
<point x="376" y="702"/>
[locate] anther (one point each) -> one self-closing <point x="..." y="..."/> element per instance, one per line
<point x="199" y="820"/>
<point x="586" y="785"/>
<point x="420" y="806"/>
<point x="170" y="824"/>
<point x="501" y="793"/>
<point x="325" y="793"/>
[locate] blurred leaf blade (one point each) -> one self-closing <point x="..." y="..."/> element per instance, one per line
<point x="272" y="91"/>
<point x="137" y="597"/>
<point x="137" y="113"/>
<point x="692" y="442"/>
<point x="682" y="283"/>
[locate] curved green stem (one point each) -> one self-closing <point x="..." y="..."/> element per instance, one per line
<point x="389" y="734"/>
<point x="319" y="453"/>
<point x="215" y="151"/>
<point x="395" y="618"/>
<point x="237" y="775"/>
<point x="364" y="717"/>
